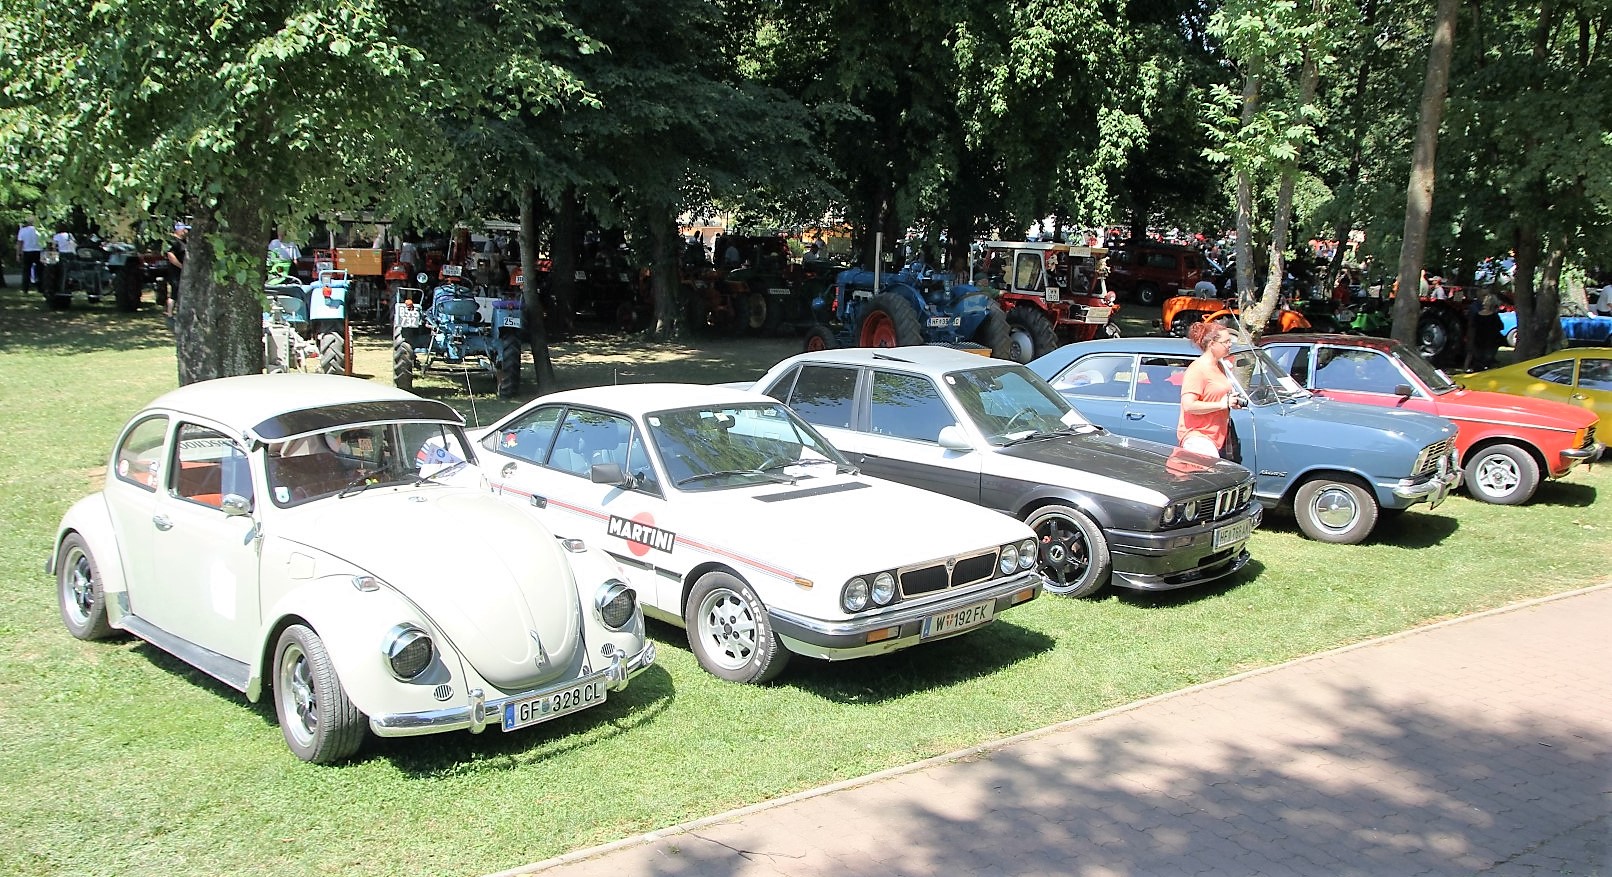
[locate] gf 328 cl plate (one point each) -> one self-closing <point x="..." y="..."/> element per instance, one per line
<point x="542" y="707"/>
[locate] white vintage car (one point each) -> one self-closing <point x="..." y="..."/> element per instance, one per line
<point x="325" y="537"/>
<point x="737" y="521"/>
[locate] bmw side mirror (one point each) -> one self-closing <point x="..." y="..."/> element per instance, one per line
<point x="952" y="438"/>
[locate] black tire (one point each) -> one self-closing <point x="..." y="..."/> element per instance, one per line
<point x="332" y="353"/>
<point x="1334" y="510"/>
<point x="1511" y="339"/>
<point x="1030" y="334"/>
<point x="753" y="313"/>
<point x="729" y="631"/>
<point x="820" y="337"/>
<point x="78" y="590"/>
<point x="1502" y="474"/>
<point x="1074" y="553"/>
<point x="1147" y="294"/>
<point x="509" y="365"/>
<point x="992" y="333"/>
<point x="1110" y="330"/>
<point x="1437" y="337"/>
<point x="402" y="362"/>
<point x="890" y="321"/>
<point x="320" y="724"/>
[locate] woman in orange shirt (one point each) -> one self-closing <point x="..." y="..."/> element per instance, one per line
<point x="1206" y="393"/>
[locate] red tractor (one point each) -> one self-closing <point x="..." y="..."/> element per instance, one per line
<point x="1053" y="293"/>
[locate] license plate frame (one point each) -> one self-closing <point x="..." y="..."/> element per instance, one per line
<point x="1232" y="533"/>
<point x="959" y="619"/>
<point x="524" y="712"/>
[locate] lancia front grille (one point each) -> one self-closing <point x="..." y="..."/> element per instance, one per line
<point x="952" y="572"/>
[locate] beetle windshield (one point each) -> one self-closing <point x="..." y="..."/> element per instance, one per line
<point x="1010" y="403"/>
<point x="1262" y="381"/>
<point x="713" y="447"/>
<point x="348" y="459"/>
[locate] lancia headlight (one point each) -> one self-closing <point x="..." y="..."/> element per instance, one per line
<point x="616" y="603"/>
<point x="884" y="589"/>
<point x="1008" y="561"/>
<point x="1029" y="552"/>
<point x="855" y="596"/>
<point x="408" y="651"/>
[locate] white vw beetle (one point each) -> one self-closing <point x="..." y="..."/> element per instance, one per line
<point x="737" y="521"/>
<point x="320" y="536"/>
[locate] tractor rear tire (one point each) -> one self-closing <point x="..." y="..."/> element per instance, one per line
<point x="1147" y="295"/>
<point x="1438" y="338"/>
<point x="509" y="365"/>
<point x="332" y="353"/>
<point x="891" y="321"/>
<point x="993" y="333"/>
<point x="1030" y="334"/>
<point x="402" y="362"/>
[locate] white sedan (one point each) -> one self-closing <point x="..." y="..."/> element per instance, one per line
<point x="326" y="538"/>
<point x="736" y="520"/>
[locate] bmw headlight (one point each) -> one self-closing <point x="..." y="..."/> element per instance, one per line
<point x="616" y="603"/>
<point x="884" y="589"/>
<point x="1008" y="561"/>
<point x="855" y="596"/>
<point x="1029" y="552"/>
<point x="408" y="651"/>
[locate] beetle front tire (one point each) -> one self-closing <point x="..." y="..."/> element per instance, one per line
<point x="729" y="631"/>
<point x="1074" y="553"/>
<point x="321" y="725"/>
<point x="1336" y="511"/>
<point x="78" y="587"/>
<point x="1502" y="475"/>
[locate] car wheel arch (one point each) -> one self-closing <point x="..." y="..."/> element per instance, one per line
<point x="1480" y="445"/>
<point x="1082" y="502"/>
<point x="1297" y="479"/>
<point x="693" y="576"/>
<point x="93" y="524"/>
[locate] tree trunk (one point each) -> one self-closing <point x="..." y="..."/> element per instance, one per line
<point x="1347" y="188"/>
<point x="218" y="323"/>
<point x="1245" y="201"/>
<point x="563" y="261"/>
<point x="663" y="263"/>
<point x="1419" y="191"/>
<point x="532" y="293"/>
<point x="1526" y="245"/>
<point x="1254" y="319"/>
<point x="1548" y="298"/>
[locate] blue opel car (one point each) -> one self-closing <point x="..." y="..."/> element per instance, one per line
<point x="1338" y="465"/>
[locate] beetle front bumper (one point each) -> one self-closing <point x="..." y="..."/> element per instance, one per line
<point x="899" y="626"/>
<point x="480" y="711"/>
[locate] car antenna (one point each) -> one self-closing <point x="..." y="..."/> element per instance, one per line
<point x="475" y="419"/>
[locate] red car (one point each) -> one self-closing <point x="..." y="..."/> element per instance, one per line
<point x="1505" y="442"/>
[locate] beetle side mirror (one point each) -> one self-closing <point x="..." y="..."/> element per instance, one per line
<point x="952" y="438"/>
<point x="607" y="473"/>
<point x="235" y="505"/>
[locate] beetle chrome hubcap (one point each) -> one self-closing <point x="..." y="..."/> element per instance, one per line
<point x="728" y="628"/>
<point x="81" y="587"/>
<point x="1335" y="508"/>
<point x="296" y="686"/>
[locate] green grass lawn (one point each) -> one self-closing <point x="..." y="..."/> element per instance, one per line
<point x="116" y="759"/>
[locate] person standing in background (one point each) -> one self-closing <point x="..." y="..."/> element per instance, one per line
<point x="176" y="267"/>
<point x="28" y="248"/>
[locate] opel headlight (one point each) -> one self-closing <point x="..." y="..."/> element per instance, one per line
<point x="1028" y="552"/>
<point x="408" y="651"/>
<point x="1008" y="561"/>
<point x="616" y="603"/>
<point x="884" y="589"/>
<point x="855" y="596"/>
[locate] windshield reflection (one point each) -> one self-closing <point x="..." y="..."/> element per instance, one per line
<point x="1009" y="403"/>
<point x="1261" y="380"/>
<point x="714" y="447"/>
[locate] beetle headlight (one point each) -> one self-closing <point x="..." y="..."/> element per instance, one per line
<point x="1028" y="553"/>
<point x="408" y="651"/>
<point x="855" y="596"/>
<point x="616" y="603"/>
<point x="884" y="589"/>
<point x="1008" y="561"/>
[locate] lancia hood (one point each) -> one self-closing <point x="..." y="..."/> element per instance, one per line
<point x="492" y="578"/>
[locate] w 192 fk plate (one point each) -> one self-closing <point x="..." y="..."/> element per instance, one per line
<point x="942" y="623"/>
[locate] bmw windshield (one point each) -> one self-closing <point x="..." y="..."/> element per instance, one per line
<point x="1010" y="404"/>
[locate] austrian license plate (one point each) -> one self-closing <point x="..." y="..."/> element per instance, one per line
<point x="541" y="708"/>
<point x="1098" y="315"/>
<point x="1232" y="533"/>
<point x="943" y="623"/>
<point x="943" y="322"/>
<point x="512" y="322"/>
<point x="773" y="290"/>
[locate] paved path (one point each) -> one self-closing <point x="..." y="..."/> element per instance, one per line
<point x="1478" y="746"/>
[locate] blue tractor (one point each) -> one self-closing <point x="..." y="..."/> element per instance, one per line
<point x="452" y="330"/>
<point x="317" y="313"/>
<point x="907" y="307"/>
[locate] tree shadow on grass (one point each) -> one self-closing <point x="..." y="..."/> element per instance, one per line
<point x="27" y="326"/>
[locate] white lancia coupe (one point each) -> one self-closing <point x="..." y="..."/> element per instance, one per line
<point x="326" y="538"/>
<point x="736" y="520"/>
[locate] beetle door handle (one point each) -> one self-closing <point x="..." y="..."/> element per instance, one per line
<point x="162" y="522"/>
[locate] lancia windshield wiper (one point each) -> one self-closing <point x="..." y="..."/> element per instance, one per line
<point x="730" y="473"/>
